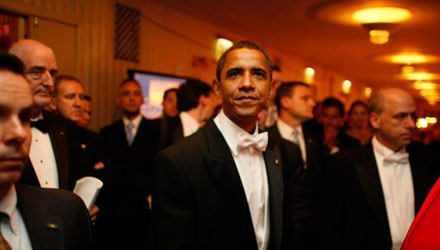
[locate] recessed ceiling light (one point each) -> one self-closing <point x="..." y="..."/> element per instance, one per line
<point x="421" y="76"/>
<point x="407" y="58"/>
<point x="381" y="15"/>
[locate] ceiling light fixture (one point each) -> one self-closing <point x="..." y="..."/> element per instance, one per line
<point x="380" y="20"/>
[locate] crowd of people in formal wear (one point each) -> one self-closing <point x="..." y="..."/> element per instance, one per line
<point x="246" y="163"/>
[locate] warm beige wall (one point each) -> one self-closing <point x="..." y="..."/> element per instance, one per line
<point x="170" y="40"/>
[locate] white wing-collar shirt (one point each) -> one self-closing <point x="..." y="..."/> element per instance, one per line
<point x="397" y="185"/>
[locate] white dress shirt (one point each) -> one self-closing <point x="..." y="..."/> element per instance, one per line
<point x="189" y="124"/>
<point x="43" y="159"/>
<point x="287" y="132"/>
<point x="253" y="178"/>
<point x="136" y="121"/>
<point x="12" y="226"/>
<point x="398" y="190"/>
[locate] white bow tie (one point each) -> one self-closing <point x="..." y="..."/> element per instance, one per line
<point x="396" y="158"/>
<point x="258" y="141"/>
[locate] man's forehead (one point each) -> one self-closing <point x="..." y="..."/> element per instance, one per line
<point x="42" y="57"/>
<point x="12" y="84"/>
<point x="245" y="57"/>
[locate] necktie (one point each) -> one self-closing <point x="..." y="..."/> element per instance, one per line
<point x="40" y="125"/>
<point x="295" y="136"/>
<point x="4" y="245"/>
<point x="258" y="142"/>
<point x="130" y="135"/>
<point x="396" y="158"/>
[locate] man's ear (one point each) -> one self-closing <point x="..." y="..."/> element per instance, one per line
<point x="216" y="86"/>
<point x="375" y="120"/>
<point x="285" y="102"/>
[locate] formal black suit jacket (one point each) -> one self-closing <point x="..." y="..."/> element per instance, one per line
<point x="127" y="176"/>
<point x="199" y="201"/>
<point x="353" y="213"/>
<point x="57" y="130"/>
<point x="42" y="207"/>
<point x="315" y="151"/>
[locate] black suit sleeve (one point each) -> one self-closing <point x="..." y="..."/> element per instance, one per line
<point x="173" y="209"/>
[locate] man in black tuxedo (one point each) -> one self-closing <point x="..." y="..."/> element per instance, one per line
<point x="129" y="148"/>
<point x="196" y="103"/>
<point x="228" y="186"/>
<point x="372" y="193"/>
<point x="32" y="218"/>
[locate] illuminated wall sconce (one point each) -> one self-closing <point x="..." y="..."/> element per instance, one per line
<point x="367" y="92"/>
<point x="221" y="45"/>
<point x="346" y="86"/>
<point x="309" y="75"/>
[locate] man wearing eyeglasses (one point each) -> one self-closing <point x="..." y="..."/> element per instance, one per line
<point x="49" y="159"/>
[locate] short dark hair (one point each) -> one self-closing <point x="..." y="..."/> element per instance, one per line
<point x="333" y="102"/>
<point x="59" y="79"/>
<point x="125" y="81"/>
<point x="189" y="92"/>
<point x="165" y="94"/>
<point x="357" y="103"/>
<point x="286" y="89"/>
<point x="242" y="45"/>
<point x="12" y="63"/>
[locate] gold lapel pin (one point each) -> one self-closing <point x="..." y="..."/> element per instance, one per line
<point x="52" y="226"/>
<point x="277" y="161"/>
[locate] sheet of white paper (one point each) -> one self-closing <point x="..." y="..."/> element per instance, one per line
<point x="88" y="189"/>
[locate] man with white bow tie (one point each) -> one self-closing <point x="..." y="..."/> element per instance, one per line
<point x="228" y="186"/>
<point x="371" y="193"/>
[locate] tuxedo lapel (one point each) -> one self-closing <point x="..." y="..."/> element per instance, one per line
<point x="369" y="178"/>
<point x="422" y="177"/>
<point x="221" y="165"/>
<point x="275" y="180"/>
<point x="45" y="230"/>
<point x="57" y="134"/>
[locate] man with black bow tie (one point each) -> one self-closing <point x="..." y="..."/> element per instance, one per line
<point x="372" y="193"/>
<point x="31" y="217"/>
<point x="228" y="186"/>
<point x="48" y="165"/>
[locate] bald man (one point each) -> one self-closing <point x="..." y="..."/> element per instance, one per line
<point x="49" y="154"/>
<point x="372" y="193"/>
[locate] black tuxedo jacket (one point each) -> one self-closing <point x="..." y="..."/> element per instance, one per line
<point x="352" y="211"/>
<point x="41" y="209"/>
<point x="58" y="134"/>
<point x="199" y="201"/>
